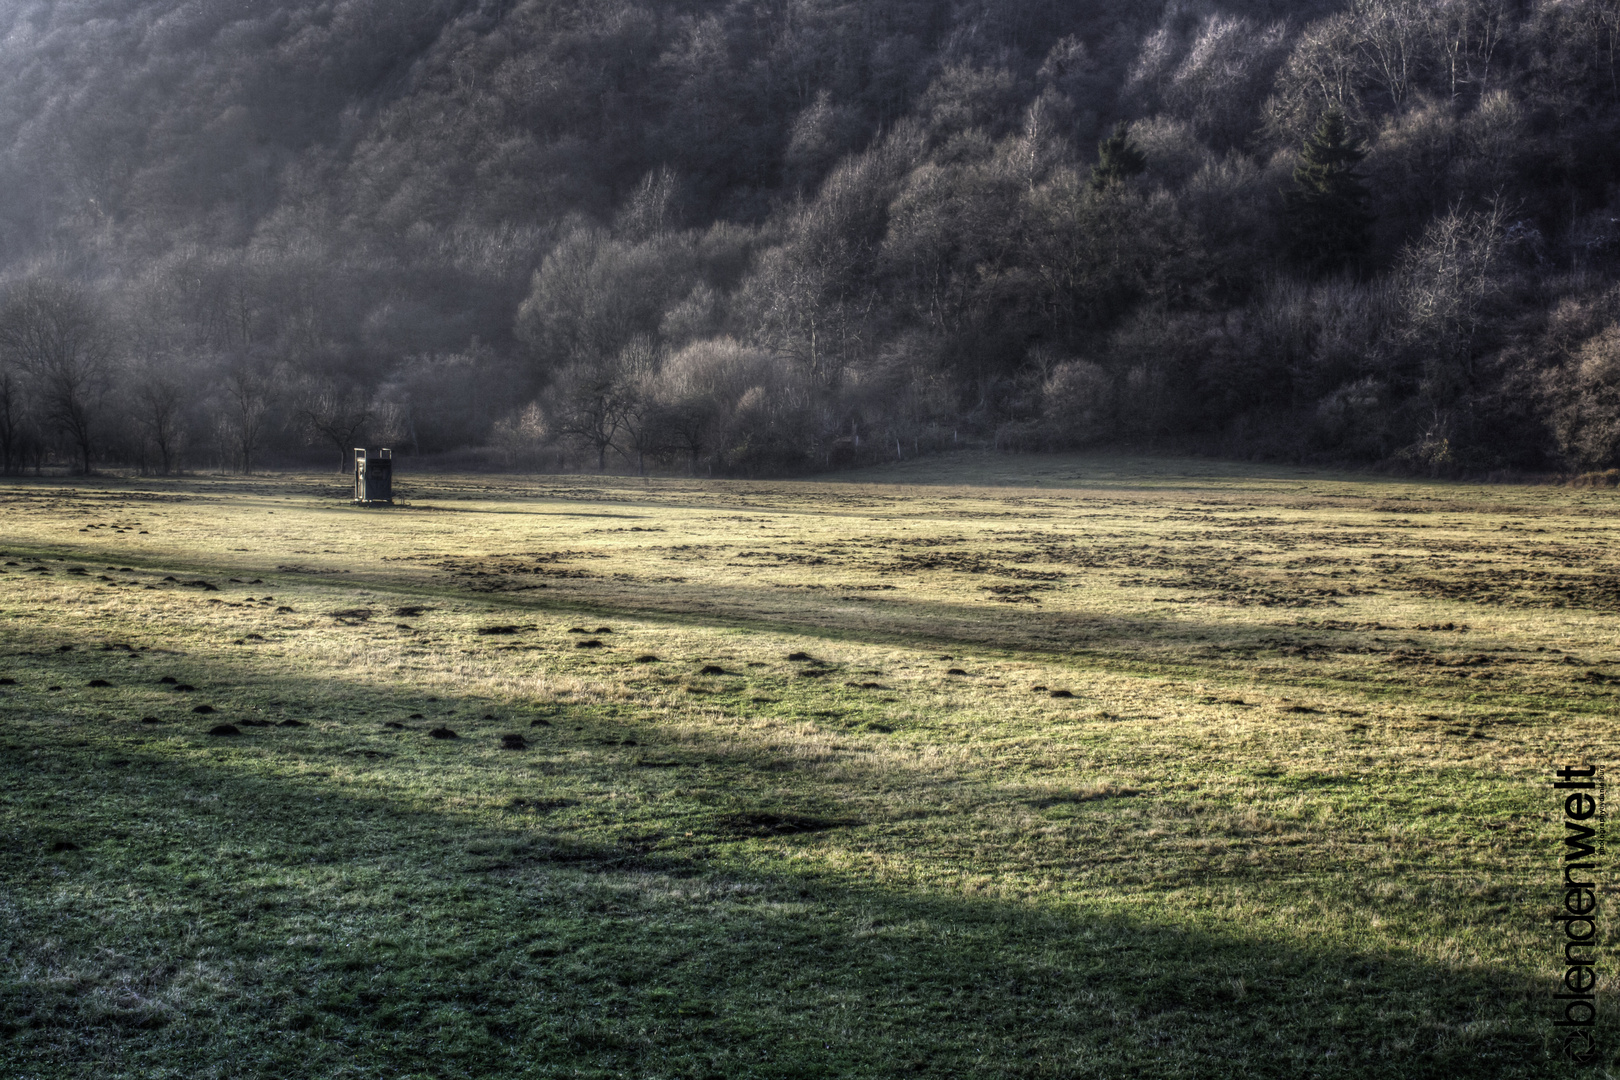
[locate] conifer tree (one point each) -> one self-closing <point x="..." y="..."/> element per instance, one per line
<point x="1117" y="159"/>
<point x="1329" y="225"/>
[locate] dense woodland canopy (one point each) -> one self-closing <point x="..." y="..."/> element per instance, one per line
<point x="773" y="235"/>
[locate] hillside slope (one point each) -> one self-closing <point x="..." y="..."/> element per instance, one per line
<point x="766" y="236"/>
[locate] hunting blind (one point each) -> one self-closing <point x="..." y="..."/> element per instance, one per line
<point x="373" y="477"/>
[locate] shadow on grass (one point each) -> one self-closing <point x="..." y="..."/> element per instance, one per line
<point x="170" y="910"/>
<point x="863" y="616"/>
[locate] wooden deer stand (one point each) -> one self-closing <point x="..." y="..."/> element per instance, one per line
<point x="373" y="477"/>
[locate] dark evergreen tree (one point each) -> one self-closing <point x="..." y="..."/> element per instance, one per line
<point x="1117" y="159"/>
<point x="1329" y="225"/>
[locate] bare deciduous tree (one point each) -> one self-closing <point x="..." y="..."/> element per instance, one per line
<point x="521" y="435"/>
<point x="13" y="418"/>
<point x="587" y="404"/>
<point x="1393" y="36"/>
<point x="54" y="332"/>
<point x="1449" y="280"/>
<point x="335" y="415"/>
<point x="157" y="400"/>
<point x="1326" y="70"/>
<point x="249" y="390"/>
<point x="1467" y="34"/>
<point x="641" y="418"/>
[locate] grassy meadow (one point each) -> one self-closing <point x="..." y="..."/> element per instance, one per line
<point x="989" y="766"/>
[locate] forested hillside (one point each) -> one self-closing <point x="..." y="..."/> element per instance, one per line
<point x="770" y="236"/>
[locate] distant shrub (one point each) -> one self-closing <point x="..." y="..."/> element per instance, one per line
<point x="1078" y="404"/>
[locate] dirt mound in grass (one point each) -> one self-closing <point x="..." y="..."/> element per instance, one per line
<point x="769" y="823"/>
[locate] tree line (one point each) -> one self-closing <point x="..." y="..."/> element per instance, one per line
<point x="768" y="236"/>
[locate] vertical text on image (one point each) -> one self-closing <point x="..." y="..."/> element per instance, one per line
<point x="1582" y="840"/>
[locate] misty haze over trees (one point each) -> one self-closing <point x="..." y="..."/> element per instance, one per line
<point x="764" y="237"/>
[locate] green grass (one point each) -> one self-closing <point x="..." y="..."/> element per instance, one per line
<point x="1292" y="819"/>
